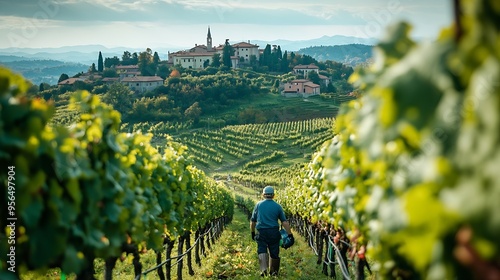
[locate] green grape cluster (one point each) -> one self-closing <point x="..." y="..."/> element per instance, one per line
<point x="85" y="191"/>
<point x="415" y="160"/>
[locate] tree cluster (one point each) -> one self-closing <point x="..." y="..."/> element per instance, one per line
<point x="212" y="92"/>
<point x="148" y="62"/>
<point x="274" y="60"/>
<point x="182" y="98"/>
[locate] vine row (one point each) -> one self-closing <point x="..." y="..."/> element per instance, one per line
<point x="87" y="191"/>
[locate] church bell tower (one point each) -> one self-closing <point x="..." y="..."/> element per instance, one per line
<point x="209" y="40"/>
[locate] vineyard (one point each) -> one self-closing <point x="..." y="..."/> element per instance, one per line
<point x="403" y="184"/>
<point x="411" y="175"/>
<point x="258" y="153"/>
<point x="270" y="153"/>
<point x="86" y="192"/>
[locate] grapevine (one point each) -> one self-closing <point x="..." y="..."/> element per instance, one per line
<point x="88" y="191"/>
<point x="410" y="171"/>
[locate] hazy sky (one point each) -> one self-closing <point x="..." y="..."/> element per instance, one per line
<point x="166" y="23"/>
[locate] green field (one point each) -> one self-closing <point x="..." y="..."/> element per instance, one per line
<point x="280" y="109"/>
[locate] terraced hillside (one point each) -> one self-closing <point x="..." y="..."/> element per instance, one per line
<point x="258" y="153"/>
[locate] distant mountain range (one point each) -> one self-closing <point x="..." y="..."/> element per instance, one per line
<point x="352" y="54"/>
<point x="86" y="54"/>
<point x="323" y="41"/>
<point x="42" y="71"/>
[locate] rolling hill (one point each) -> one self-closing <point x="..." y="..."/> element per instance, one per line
<point x="42" y="71"/>
<point x="351" y="54"/>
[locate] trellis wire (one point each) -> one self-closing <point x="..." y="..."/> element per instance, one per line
<point x="178" y="257"/>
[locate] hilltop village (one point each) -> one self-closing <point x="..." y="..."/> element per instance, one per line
<point x="144" y="72"/>
<point x="201" y="56"/>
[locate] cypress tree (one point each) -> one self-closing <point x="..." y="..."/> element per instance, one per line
<point x="284" y="62"/>
<point x="100" y="63"/>
<point x="227" y="52"/>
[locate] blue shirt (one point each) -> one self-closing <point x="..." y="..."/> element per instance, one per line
<point x="266" y="214"/>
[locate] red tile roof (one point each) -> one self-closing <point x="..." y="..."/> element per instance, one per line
<point x="142" y="79"/>
<point x="127" y="67"/>
<point x="108" y="79"/>
<point x="310" y="66"/>
<point x="198" y="48"/>
<point x="187" y="54"/>
<point x="311" y="84"/>
<point x="299" y="81"/>
<point x="244" y="45"/>
<point x="304" y="82"/>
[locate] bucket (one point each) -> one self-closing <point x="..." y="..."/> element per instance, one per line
<point x="284" y="236"/>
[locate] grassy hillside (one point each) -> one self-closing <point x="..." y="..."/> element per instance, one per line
<point x="276" y="108"/>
